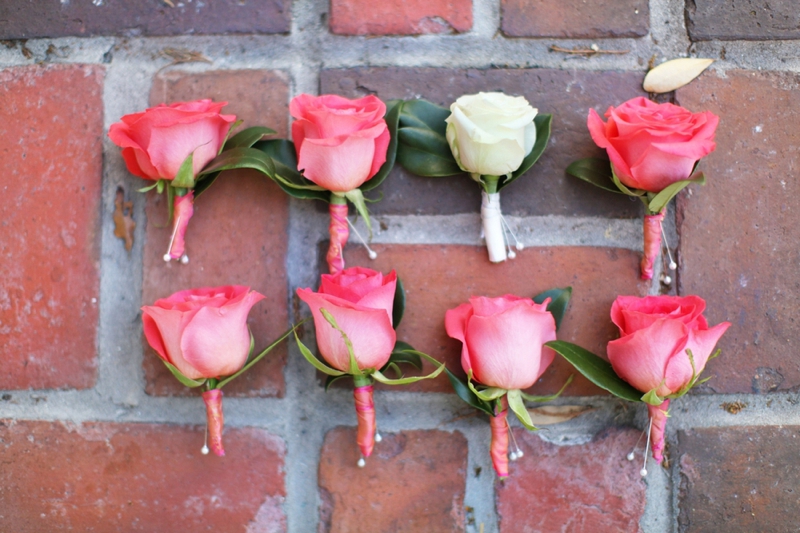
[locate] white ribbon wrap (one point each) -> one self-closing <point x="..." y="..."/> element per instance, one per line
<point x="492" y="219"/>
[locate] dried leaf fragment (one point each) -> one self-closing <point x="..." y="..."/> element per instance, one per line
<point x="123" y="219"/>
<point x="555" y="414"/>
<point x="674" y="74"/>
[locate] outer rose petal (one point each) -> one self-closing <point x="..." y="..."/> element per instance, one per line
<point x="631" y="313"/>
<point x="597" y="129"/>
<point x="657" y="169"/>
<point x="455" y="323"/>
<point x="163" y="329"/>
<point x="701" y="343"/>
<point x="340" y="168"/>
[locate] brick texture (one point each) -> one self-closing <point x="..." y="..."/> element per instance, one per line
<point x="106" y="477"/>
<point x="545" y="189"/>
<point x="453" y="273"/>
<point x="414" y="481"/>
<point x="591" y="487"/>
<point x="739" y="232"/>
<point x="238" y="234"/>
<point x="749" y="19"/>
<point x="575" y="18"/>
<point x="400" y="17"/>
<point x="56" y="18"/>
<point x="743" y="477"/>
<point x="52" y="120"/>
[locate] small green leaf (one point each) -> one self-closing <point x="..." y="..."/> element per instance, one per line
<point x="516" y="405"/>
<point x="248" y="137"/>
<point x="403" y="381"/>
<point x="543" y="124"/>
<point x="189" y="382"/>
<point x="652" y="398"/>
<point x="532" y="398"/>
<point x="596" y="370"/>
<point x="595" y="171"/>
<point x="331" y="379"/>
<point x="404" y="353"/>
<point x="660" y="200"/>
<point x="392" y="117"/>
<point x="151" y="187"/>
<point x="463" y="391"/>
<point x="558" y="303"/>
<point x="625" y="190"/>
<point x="185" y="176"/>
<point x="487" y="394"/>
<point x="357" y="197"/>
<point x="160" y="186"/>
<point x="399" y="305"/>
<point x="316" y="363"/>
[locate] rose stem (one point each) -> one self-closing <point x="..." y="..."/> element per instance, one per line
<point x="184" y="209"/>
<point x="214" y="419"/>
<point x="492" y="220"/>
<point x="658" y="414"/>
<point x="499" y="446"/>
<point x="652" y="243"/>
<point x="365" y="411"/>
<point x="339" y="233"/>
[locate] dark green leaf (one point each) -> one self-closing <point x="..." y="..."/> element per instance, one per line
<point x="393" y="109"/>
<point x="463" y="392"/>
<point x="241" y="158"/>
<point x="425" y="139"/>
<point x="185" y="176"/>
<point x="183" y="379"/>
<point x="331" y="379"/>
<point x="248" y="137"/>
<point x="400" y="355"/>
<point x="660" y="200"/>
<point x="281" y="150"/>
<point x="430" y="114"/>
<point x="543" y="124"/>
<point x="596" y="370"/>
<point x="595" y="171"/>
<point x="399" y="306"/>
<point x="558" y="303"/>
<point x="425" y="163"/>
<point x="284" y="157"/>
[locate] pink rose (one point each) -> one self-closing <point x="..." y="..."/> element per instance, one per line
<point x="340" y="143"/>
<point x="503" y="339"/>
<point x="656" y="332"/>
<point x="653" y="145"/>
<point x="361" y="302"/>
<point x="156" y="142"/>
<point x="202" y="332"/>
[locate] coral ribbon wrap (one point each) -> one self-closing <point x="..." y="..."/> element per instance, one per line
<point x="339" y="233"/>
<point x="659" y="418"/>
<point x="499" y="447"/>
<point x="365" y="410"/>
<point x="215" y="419"/>
<point x="184" y="209"/>
<point x="652" y="243"/>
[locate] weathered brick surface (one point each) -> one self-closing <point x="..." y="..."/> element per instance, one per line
<point x="591" y="487"/>
<point x="414" y="481"/>
<point x="441" y="277"/>
<point x="545" y="189"/>
<point x="400" y="17"/>
<point x="56" y="18"/>
<point x="108" y="477"/>
<point x="52" y="122"/>
<point x="739" y="233"/>
<point x="748" y="19"/>
<point x="575" y="18"/>
<point x="238" y="234"/>
<point x="743" y="477"/>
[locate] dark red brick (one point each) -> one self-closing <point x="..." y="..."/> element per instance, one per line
<point x="56" y="18"/>
<point x="591" y="487"/>
<point x="450" y="274"/>
<point x="52" y="121"/>
<point x="743" y="477"/>
<point x="414" y="481"/>
<point x="575" y="18"/>
<point x="108" y="477"/>
<point x="400" y="17"/>
<point x="545" y="189"/>
<point x="751" y="20"/>
<point x="739" y="233"/>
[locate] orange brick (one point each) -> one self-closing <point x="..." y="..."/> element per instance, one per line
<point x="400" y="17"/>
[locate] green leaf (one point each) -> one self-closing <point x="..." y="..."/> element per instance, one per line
<point x="428" y="113"/>
<point x="151" y="187"/>
<point x="463" y="391"/>
<point x="404" y="381"/>
<point x="426" y="140"/>
<point x="422" y="143"/>
<point x="652" y="398"/>
<point x="316" y="363"/>
<point x="426" y="163"/>
<point x="404" y="353"/>
<point x="203" y="182"/>
<point x="189" y="382"/>
<point x="357" y="197"/>
<point x="160" y="186"/>
<point x="399" y="305"/>
<point x="623" y="188"/>
<point x="596" y="370"/>
<point x="185" y="176"/>
<point x="248" y="137"/>
<point x="558" y="303"/>
<point x="284" y="156"/>
<point x="260" y="356"/>
<point x="392" y="117"/>
<point x="233" y="126"/>
<point x="331" y="379"/>
<point x="660" y="200"/>
<point x="487" y="394"/>
<point x="516" y="405"/>
<point x="532" y="398"/>
<point x="241" y="158"/>
<point x="595" y="171"/>
<point x="281" y="151"/>
<point x="543" y="124"/>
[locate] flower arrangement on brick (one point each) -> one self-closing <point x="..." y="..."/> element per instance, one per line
<point x="202" y="337"/>
<point x="653" y="150"/>
<point x="504" y="351"/>
<point x="664" y="345"/>
<point x="356" y="312"/>
<point x="494" y="137"/>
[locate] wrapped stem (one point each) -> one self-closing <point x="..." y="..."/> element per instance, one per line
<point x="491" y="218"/>
<point x="499" y="447"/>
<point x="659" y="417"/>
<point x="365" y="411"/>
<point x="215" y="420"/>
<point x="339" y="233"/>
<point x="183" y="211"/>
<point x="652" y="243"/>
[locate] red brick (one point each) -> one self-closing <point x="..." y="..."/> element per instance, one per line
<point x="543" y="190"/>
<point x="52" y="120"/>
<point x="575" y="18"/>
<point x="591" y="487"/>
<point x="452" y="273"/>
<point x="731" y="20"/>
<point x="743" y="477"/>
<point x="400" y="17"/>
<point x="238" y="234"/>
<point x="739" y="233"/>
<point x="106" y="477"/>
<point x="414" y="481"/>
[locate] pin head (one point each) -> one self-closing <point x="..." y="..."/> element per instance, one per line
<point x="204" y="450"/>
<point x="643" y="472"/>
<point x="184" y="259"/>
<point x="378" y="437"/>
<point x="373" y="254"/>
<point x="512" y="254"/>
<point x="520" y="246"/>
<point x="361" y="463"/>
<point x="673" y="265"/>
<point x="629" y="457"/>
<point x="167" y="258"/>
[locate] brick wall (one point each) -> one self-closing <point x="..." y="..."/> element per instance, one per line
<point x="96" y="435"/>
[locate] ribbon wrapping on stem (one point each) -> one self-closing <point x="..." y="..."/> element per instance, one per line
<point x="365" y="411"/>
<point x="658" y="415"/>
<point x="652" y="243"/>
<point x="215" y="420"/>
<point x="499" y="446"/>
<point x="183" y="211"/>
<point x="339" y="233"/>
<point x="492" y="220"/>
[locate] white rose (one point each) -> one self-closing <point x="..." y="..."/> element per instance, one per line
<point x="491" y="133"/>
